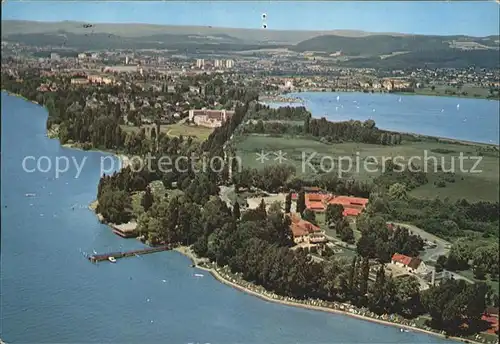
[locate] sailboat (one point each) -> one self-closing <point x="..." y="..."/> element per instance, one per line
<point x="399" y="100"/>
<point x="458" y="106"/>
<point x="338" y="98"/>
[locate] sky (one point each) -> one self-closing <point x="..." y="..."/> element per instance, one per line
<point x="474" y="18"/>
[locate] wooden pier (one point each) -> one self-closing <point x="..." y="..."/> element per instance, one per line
<point x="117" y="255"/>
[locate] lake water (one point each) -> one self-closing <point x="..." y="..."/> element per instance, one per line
<point x="50" y="293"/>
<point x="474" y="120"/>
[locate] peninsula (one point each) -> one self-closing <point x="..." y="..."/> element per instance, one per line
<point x="236" y="195"/>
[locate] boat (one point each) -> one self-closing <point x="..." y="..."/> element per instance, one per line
<point x="30" y="195"/>
<point x="112" y="259"/>
<point x="458" y="106"/>
<point x="198" y="275"/>
<point x="338" y="98"/>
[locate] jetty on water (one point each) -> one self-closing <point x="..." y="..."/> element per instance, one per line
<point x="117" y="255"/>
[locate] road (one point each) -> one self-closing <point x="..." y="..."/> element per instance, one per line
<point x="340" y="243"/>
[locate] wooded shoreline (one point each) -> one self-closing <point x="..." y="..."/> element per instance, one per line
<point x="186" y="251"/>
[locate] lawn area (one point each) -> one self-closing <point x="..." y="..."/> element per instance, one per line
<point x="472" y="91"/>
<point x="353" y="157"/>
<point x="197" y="132"/>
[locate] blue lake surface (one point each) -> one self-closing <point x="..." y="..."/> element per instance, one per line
<point x="473" y="120"/>
<point x="50" y="293"/>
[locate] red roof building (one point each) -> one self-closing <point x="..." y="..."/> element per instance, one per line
<point x="351" y="212"/>
<point x="493" y="320"/>
<point x="353" y="206"/>
<point x="302" y="230"/>
<point x="413" y="265"/>
<point x="401" y="259"/>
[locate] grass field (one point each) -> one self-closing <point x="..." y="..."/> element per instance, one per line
<point x="353" y="157"/>
<point x="198" y="133"/>
<point x="440" y="90"/>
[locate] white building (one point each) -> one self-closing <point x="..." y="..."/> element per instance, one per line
<point x="229" y="64"/>
<point x="55" y="57"/>
<point x="412" y="265"/>
<point x="209" y="118"/>
<point x="200" y="63"/>
<point x="218" y="63"/>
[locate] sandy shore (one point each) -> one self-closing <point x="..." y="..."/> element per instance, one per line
<point x="188" y="253"/>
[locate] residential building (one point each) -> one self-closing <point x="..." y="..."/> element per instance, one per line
<point x="55" y="57"/>
<point x="412" y="265"/>
<point x="79" y="81"/>
<point x="353" y="206"/>
<point x="317" y="201"/>
<point x="491" y="316"/>
<point x="209" y="118"/>
<point x="229" y="64"/>
<point x="97" y="79"/>
<point x="388" y="85"/>
<point x="200" y="63"/>
<point x="218" y="63"/>
<point x="305" y="232"/>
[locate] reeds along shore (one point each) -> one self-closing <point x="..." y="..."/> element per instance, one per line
<point x="317" y="305"/>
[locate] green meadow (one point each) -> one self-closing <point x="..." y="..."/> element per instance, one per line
<point x="365" y="162"/>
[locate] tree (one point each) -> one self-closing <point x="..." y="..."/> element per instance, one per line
<point x="453" y="303"/>
<point x="309" y="215"/>
<point x="262" y="207"/>
<point x="408" y="296"/>
<point x="364" y="275"/>
<point x="275" y="207"/>
<point x="114" y="205"/>
<point x="236" y="210"/>
<point x="288" y="203"/>
<point x="344" y="231"/>
<point x="440" y="263"/>
<point x="301" y="202"/>
<point x="334" y="212"/>
<point x="397" y="191"/>
<point x="147" y="199"/>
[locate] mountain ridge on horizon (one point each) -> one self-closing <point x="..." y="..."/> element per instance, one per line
<point x="357" y="48"/>
<point x="132" y="30"/>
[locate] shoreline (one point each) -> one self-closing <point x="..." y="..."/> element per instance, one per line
<point x="186" y="251"/>
<point x="423" y="136"/>
<point x="401" y="93"/>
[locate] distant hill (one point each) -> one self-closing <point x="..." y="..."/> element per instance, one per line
<point x="250" y="36"/>
<point x="444" y="58"/>
<point x="377" y="45"/>
<point x="359" y="48"/>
